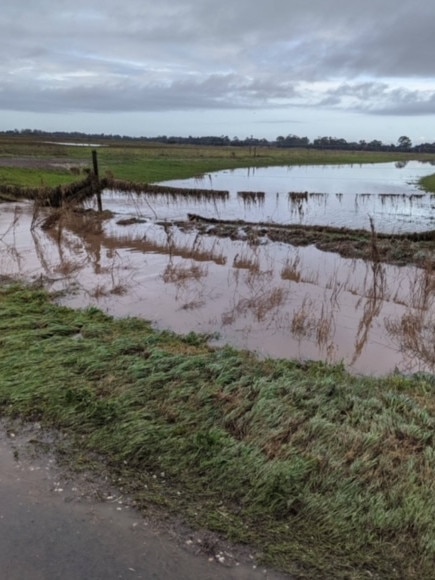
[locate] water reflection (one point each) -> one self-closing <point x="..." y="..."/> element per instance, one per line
<point x="393" y="212"/>
<point x="272" y="298"/>
<point x="341" y="196"/>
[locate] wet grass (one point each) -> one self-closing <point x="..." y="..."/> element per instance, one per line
<point x="30" y="178"/>
<point x="148" y="163"/>
<point x="158" y="163"/>
<point x="328" y="475"/>
<point x="167" y="192"/>
<point x="428" y="183"/>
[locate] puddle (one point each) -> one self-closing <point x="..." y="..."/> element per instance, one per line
<point x="53" y="526"/>
<point x="271" y="298"/>
<point x="340" y="196"/>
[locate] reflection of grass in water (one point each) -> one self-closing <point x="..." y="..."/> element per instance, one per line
<point x="251" y="198"/>
<point x="414" y="332"/>
<point x="68" y="267"/>
<point x="296" y="196"/>
<point x="167" y="193"/>
<point x="244" y="262"/>
<point x="346" y="464"/>
<point x="303" y="321"/>
<point x="324" y="327"/>
<point x="306" y="323"/>
<point x="261" y="304"/>
<point x="179" y="274"/>
<point x="193" y="305"/>
<point x="415" y="335"/>
<point x="291" y="270"/>
<point x="185" y="251"/>
<point x="9" y="248"/>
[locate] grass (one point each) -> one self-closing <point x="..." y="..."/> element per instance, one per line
<point x="148" y="163"/>
<point x="328" y="475"/>
<point x="30" y="178"/>
<point x="428" y="183"/>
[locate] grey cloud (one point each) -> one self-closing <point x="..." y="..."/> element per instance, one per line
<point x="408" y="103"/>
<point x="180" y="54"/>
<point x="380" y="99"/>
<point x="215" y="91"/>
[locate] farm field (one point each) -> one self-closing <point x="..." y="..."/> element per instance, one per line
<point x="313" y="441"/>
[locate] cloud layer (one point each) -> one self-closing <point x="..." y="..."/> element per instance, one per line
<point x="373" y="57"/>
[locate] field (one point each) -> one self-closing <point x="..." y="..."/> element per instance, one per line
<point x="150" y="163"/>
<point x="326" y="474"/>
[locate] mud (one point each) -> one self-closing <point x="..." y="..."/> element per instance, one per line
<point x="58" y="524"/>
<point x="42" y="163"/>
<point x="400" y="249"/>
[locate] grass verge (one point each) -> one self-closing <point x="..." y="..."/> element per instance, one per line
<point x="329" y="475"/>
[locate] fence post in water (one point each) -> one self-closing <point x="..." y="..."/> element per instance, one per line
<point x="96" y="180"/>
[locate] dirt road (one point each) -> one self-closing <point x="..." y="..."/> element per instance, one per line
<point x="52" y="529"/>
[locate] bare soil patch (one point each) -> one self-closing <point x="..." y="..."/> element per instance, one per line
<point x="41" y="163"/>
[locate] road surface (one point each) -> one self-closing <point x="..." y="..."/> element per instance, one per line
<point x="50" y="530"/>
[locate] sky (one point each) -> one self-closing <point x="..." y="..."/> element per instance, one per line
<point x="342" y="68"/>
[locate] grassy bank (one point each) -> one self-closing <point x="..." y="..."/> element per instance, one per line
<point x="428" y="183"/>
<point x="150" y="163"/>
<point x="330" y="476"/>
<point x="31" y="178"/>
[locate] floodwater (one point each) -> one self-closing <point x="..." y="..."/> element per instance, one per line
<point x="272" y="298"/>
<point x="341" y="196"/>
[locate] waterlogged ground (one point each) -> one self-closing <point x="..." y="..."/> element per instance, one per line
<point x="269" y="297"/>
<point x="341" y="196"/>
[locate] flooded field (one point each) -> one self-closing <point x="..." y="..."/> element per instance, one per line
<point x="269" y="297"/>
<point x="341" y="196"/>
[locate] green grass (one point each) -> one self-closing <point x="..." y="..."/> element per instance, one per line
<point x="328" y="475"/>
<point x="21" y="177"/>
<point x="428" y="183"/>
<point x="149" y="163"/>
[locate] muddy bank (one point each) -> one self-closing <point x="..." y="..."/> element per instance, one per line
<point x="53" y="163"/>
<point x="397" y="249"/>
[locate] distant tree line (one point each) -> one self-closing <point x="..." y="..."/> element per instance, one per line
<point x="404" y="143"/>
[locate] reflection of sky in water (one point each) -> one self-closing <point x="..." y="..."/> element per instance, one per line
<point x="343" y="196"/>
<point x="275" y="299"/>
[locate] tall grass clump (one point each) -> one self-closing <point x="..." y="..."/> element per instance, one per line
<point x="328" y="475"/>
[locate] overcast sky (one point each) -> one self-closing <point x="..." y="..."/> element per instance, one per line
<point x="358" y="69"/>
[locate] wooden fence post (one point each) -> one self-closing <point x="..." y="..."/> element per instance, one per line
<point x="96" y="180"/>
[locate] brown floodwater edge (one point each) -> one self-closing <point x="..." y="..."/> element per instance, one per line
<point x="398" y="249"/>
<point x="266" y="296"/>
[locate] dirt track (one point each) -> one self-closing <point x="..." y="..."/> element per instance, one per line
<point x="40" y="163"/>
<point x="55" y="528"/>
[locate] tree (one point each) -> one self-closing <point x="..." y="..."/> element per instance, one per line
<point x="404" y="142"/>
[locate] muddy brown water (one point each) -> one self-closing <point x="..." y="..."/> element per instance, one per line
<point x="56" y="527"/>
<point x="271" y="298"/>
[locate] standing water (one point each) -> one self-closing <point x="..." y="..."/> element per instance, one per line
<point x="270" y="297"/>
